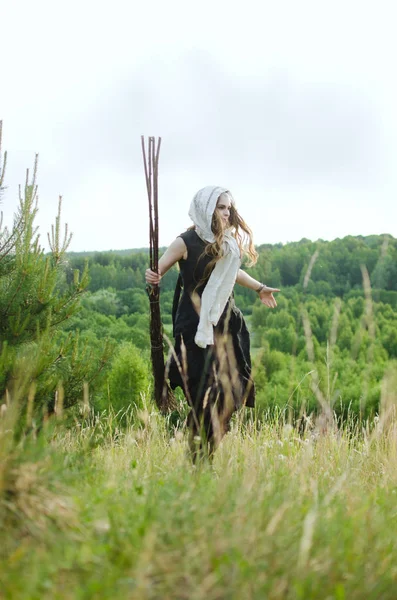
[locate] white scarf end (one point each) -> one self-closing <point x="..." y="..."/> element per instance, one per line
<point x="203" y="340"/>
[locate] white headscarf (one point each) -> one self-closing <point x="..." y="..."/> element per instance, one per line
<point x="222" y="279"/>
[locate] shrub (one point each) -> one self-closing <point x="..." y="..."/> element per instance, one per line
<point x="128" y="378"/>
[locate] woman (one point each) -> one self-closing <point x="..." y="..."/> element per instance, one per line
<point x="211" y="361"/>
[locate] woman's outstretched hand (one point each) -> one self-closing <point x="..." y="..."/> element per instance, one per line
<point x="152" y="278"/>
<point x="267" y="298"/>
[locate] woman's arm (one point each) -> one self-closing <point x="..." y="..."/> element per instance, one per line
<point x="174" y="252"/>
<point x="265" y="292"/>
<point x="247" y="281"/>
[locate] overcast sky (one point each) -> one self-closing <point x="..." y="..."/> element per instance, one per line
<point x="290" y="105"/>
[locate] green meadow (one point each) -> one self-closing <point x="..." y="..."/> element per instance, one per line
<point x="96" y="511"/>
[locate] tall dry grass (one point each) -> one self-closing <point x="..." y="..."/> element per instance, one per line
<point x="278" y="514"/>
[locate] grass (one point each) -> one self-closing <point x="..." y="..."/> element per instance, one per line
<point x="102" y="513"/>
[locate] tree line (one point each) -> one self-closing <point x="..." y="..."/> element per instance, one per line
<point x="336" y="271"/>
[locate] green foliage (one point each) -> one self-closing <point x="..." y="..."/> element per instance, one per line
<point x="36" y="302"/>
<point x="105" y="302"/>
<point x="351" y="345"/>
<point x="128" y="379"/>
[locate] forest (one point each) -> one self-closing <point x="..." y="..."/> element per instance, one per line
<point x="353" y="328"/>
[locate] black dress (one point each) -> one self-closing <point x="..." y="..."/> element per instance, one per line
<point x="218" y="376"/>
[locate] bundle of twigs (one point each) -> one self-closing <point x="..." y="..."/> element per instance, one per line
<point x="163" y="394"/>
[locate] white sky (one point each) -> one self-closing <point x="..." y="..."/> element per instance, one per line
<point x="291" y="105"/>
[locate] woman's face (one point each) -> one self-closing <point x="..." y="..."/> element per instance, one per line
<point x="223" y="208"/>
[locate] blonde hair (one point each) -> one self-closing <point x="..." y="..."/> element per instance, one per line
<point x="240" y="231"/>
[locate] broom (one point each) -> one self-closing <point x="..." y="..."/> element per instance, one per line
<point x="162" y="392"/>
